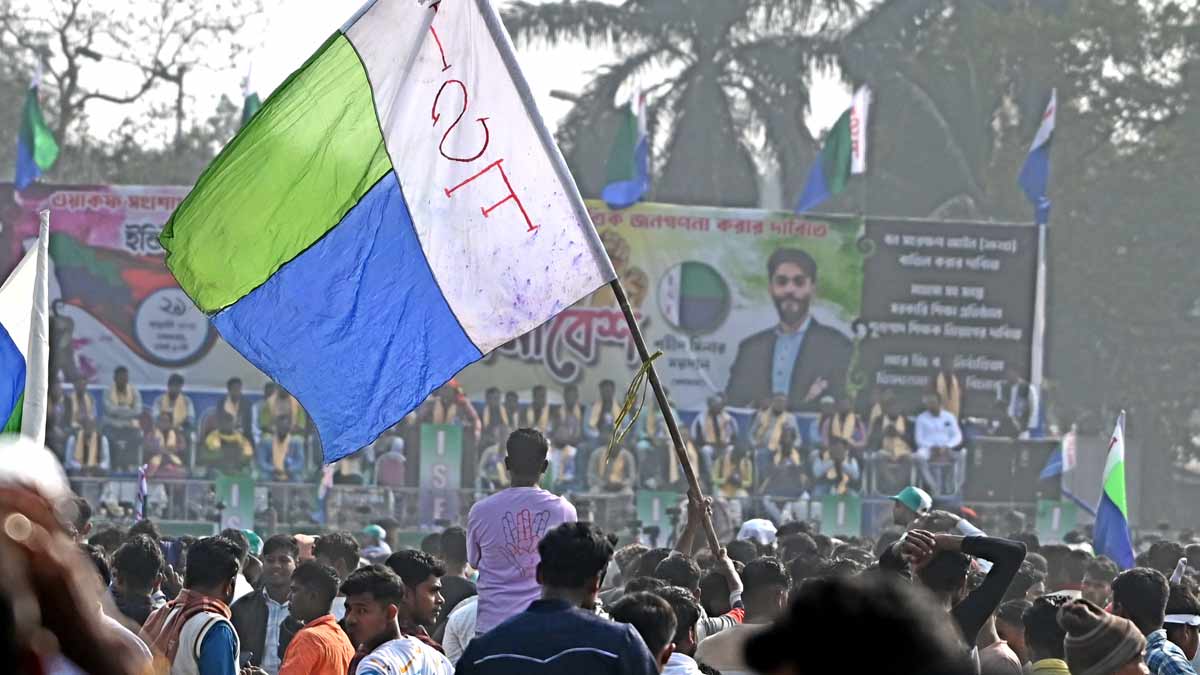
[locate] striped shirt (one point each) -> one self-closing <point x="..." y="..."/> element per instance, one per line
<point x="276" y="613"/>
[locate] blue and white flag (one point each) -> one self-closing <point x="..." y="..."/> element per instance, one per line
<point x="629" y="159"/>
<point x="1035" y="173"/>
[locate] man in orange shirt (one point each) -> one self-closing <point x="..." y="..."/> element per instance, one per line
<point x="321" y="646"/>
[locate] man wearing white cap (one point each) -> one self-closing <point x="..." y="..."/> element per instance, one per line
<point x="758" y="530"/>
<point x="375" y="547"/>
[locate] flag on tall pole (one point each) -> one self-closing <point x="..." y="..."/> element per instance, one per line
<point x="396" y="211"/>
<point x="843" y="155"/>
<point x="36" y="148"/>
<point x="1112" y="515"/>
<point x="1035" y="172"/>
<point x="629" y="159"/>
<point x="25" y="342"/>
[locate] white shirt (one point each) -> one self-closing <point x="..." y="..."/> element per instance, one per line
<point x="338" y="610"/>
<point x="406" y="655"/>
<point x="938" y="431"/>
<point x="681" y="664"/>
<point x="460" y="628"/>
<point x="276" y="613"/>
<point x="724" y="650"/>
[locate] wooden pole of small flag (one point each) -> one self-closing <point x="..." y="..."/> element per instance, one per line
<point x="695" y="495"/>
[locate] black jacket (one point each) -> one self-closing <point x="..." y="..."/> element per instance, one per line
<point x="825" y="353"/>
<point x="250" y="621"/>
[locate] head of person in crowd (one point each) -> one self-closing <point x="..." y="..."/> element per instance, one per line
<point x="766" y="584"/>
<point x="741" y="551"/>
<point x="1010" y="626"/>
<point x="1183" y="619"/>
<point x="795" y="545"/>
<point x="280" y="553"/>
<point x="374" y="596"/>
<point x="1057" y="575"/>
<point x="174" y="385"/>
<point x="213" y="564"/>
<point x="454" y="550"/>
<point x="1192" y="551"/>
<point x="1097" y="580"/>
<point x="648" y="561"/>
<point x="680" y="570"/>
<point x="1164" y="555"/>
<point x="687" y="614"/>
<point x="1140" y="595"/>
<point x="373" y="535"/>
<point x="312" y="588"/>
<point x="945" y="575"/>
<point x="233" y="387"/>
<point x="909" y="504"/>
<point x="792" y="282"/>
<point x="79" y="519"/>
<point x="907" y="632"/>
<point x="1039" y="561"/>
<point x="422" y="576"/>
<point x="714" y="591"/>
<point x="339" y="550"/>
<point x="627" y="557"/>
<point x="525" y="457"/>
<point x="1043" y="634"/>
<point x="136" y="566"/>
<point x="716" y="403"/>
<point x="641" y="584"/>
<point x="432" y="544"/>
<point x="653" y="619"/>
<point x="1032" y="543"/>
<point x="760" y="532"/>
<point x="574" y="557"/>
<point x="147" y="527"/>
<point x="1099" y="643"/>
<point x="239" y="540"/>
<point x="1028" y="584"/>
<point x="100" y="561"/>
<point x="108" y="539"/>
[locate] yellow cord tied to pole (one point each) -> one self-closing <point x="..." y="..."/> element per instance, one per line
<point x="636" y="385"/>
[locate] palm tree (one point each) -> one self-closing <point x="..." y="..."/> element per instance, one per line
<point x="727" y="82"/>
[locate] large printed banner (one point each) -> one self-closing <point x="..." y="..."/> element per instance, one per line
<point x="114" y="302"/>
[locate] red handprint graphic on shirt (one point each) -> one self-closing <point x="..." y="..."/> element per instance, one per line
<point x="521" y="536"/>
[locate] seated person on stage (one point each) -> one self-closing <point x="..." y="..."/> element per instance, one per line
<point x="567" y="421"/>
<point x="733" y="473"/>
<point x="890" y="445"/>
<point x="673" y="472"/>
<point x="715" y="430"/>
<point x="844" y="424"/>
<point x="562" y="474"/>
<point x="598" y="426"/>
<point x="164" y="448"/>
<point x="939" y="439"/>
<point x="80" y="404"/>
<point x="537" y="415"/>
<point x="260" y="412"/>
<point x="281" y="454"/>
<point x="835" y="472"/>
<point x="786" y="474"/>
<point x="616" y="476"/>
<point x="226" y="449"/>
<point x="494" y="415"/>
<point x="493" y="475"/>
<point x="235" y="404"/>
<point x="450" y="406"/>
<point x="391" y="464"/>
<point x="176" y="404"/>
<point x="122" y="410"/>
<point x="768" y="429"/>
<point x="88" y="450"/>
<point x="512" y="409"/>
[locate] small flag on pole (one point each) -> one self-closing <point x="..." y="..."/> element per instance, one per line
<point x="1035" y="173"/>
<point x="36" y="148"/>
<point x="843" y="155"/>
<point x="1112" y="515"/>
<point x="629" y="159"/>
<point x="25" y="342"/>
<point x="1062" y="460"/>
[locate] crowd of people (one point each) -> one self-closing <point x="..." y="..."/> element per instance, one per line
<point x="525" y="587"/>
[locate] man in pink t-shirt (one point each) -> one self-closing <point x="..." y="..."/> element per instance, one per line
<point x="503" y="532"/>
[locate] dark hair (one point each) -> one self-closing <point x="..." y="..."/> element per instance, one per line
<point x="792" y="527"/>
<point x="96" y="555"/>
<point x="806" y="567"/>
<point x="1142" y="593"/>
<point x="714" y="592"/>
<point x="414" y="567"/>
<point x="1029" y="538"/>
<point x="679" y="570"/>
<point x="339" y="546"/>
<point x="432" y="544"/>
<point x="82" y="514"/>
<point x="945" y="572"/>
<point x="839" y="567"/>
<point x="741" y="550"/>
<point x="174" y="378"/>
<point x="650" y="615"/>
<point x="238" y="539"/>
<point x="144" y="526"/>
<point x="1026" y="578"/>
<point x="232" y="381"/>
<point x="685" y="608"/>
<point x="1164" y="555"/>
<point x="120" y="369"/>
<point x="639" y="584"/>
<point x="108" y="539"/>
<point x="285" y="542"/>
<point x="824" y="545"/>
<point x="138" y="562"/>
<point x="1180" y="600"/>
<point x="793" y="255"/>
<point x="1102" y="567"/>
<point x="1042" y="630"/>
<point x="648" y="561"/>
<point x="910" y="634"/>
<point x="1056" y="563"/>
<point x="627" y="556"/>
<point x="573" y="553"/>
<point x="1011" y="611"/>
<point x="795" y="545"/>
<point x="211" y="561"/>
<point x="316" y="577"/>
<point x="454" y="545"/>
<point x="762" y="574"/>
<point x="376" y="580"/>
<point x="526" y="450"/>
<point x="1039" y="561"/>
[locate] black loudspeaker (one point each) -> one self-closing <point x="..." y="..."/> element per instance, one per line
<point x="1007" y="470"/>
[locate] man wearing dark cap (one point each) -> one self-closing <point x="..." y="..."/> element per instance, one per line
<point x="799" y="356"/>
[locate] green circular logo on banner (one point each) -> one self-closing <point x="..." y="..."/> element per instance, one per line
<point x="694" y="298"/>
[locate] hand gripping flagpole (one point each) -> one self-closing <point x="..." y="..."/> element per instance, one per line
<point x="695" y="495"/>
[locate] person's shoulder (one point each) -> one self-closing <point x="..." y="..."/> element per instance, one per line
<point x="829" y="333"/>
<point x="756" y="339"/>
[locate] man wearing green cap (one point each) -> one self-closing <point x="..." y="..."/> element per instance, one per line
<point x="375" y="547"/>
<point x="911" y="503"/>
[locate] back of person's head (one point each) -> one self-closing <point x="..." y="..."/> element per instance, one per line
<point x="792" y="527"/>
<point x="886" y="538"/>
<point x="651" y="616"/>
<point x="648" y="561"/>
<point x="806" y="567"/>
<point x="573" y="555"/>
<point x="627" y="557"/>
<point x="238" y="539"/>
<point x="138" y="563"/>
<point x="741" y="550"/>
<point x="1039" y="561"/>
<point x="824" y="545"/>
<point x="282" y="543"/>
<point x="1043" y="634"/>
<point x="1011" y="612"/>
<point x="454" y="545"/>
<point x="109" y="539"/>
<point x="414" y="567"/>
<point x="1164" y="555"/>
<point x="1182" y="606"/>
<point x="765" y="584"/>
<point x="1056" y="556"/>
<point x="678" y="569"/>
<point x="526" y="451"/>
<point x="1075" y="566"/>
<point x="714" y="592"/>
<point x="1140" y="595"/>
<point x="908" y="632"/>
<point x="320" y="579"/>
<point x="212" y="562"/>
<point x="147" y="527"/>
<point x="96" y="555"/>
<point x="378" y="581"/>
<point x="432" y="544"/>
<point x="1027" y="577"/>
<point x="1098" y="643"/>
<point x="1028" y="537"/>
<point x="839" y="567"/>
<point x="337" y="547"/>
<point x="1102" y="567"/>
<point x="687" y="613"/>
<point x="946" y="572"/>
<point x="640" y="584"/>
<point x="795" y="545"/>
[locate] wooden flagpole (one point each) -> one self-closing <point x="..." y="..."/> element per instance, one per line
<point x="695" y="495"/>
